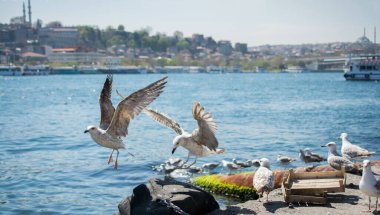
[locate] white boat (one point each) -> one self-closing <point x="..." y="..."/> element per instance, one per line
<point x="10" y="70"/>
<point x="260" y="69"/>
<point x="36" y="70"/>
<point x="365" y="69"/>
<point x="296" y="69"/>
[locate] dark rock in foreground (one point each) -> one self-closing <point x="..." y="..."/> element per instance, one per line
<point x="167" y="197"/>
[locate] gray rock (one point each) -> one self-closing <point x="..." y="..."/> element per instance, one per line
<point x="167" y="197"/>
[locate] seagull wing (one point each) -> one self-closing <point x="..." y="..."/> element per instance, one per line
<point x="164" y="120"/>
<point x="106" y="108"/>
<point x="205" y="134"/>
<point x="337" y="162"/>
<point x="132" y="105"/>
<point x="377" y="185"/>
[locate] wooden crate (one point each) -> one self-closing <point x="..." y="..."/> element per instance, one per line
<point x="312" y="187"/>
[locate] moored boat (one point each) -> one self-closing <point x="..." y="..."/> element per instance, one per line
<point x="365" y="69"/>
<point x="10" y="70"/>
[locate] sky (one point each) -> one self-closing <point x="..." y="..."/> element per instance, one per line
<point x="256" y="22"/>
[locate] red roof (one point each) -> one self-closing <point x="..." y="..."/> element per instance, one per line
<point x="32" y="54"/>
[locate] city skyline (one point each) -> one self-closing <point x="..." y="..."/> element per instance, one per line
<point x="252" y="22"/>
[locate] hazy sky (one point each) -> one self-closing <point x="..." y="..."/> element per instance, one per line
<point x="255" y="22"/>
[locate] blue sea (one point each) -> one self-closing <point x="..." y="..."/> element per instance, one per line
<point x="49" y="166"/>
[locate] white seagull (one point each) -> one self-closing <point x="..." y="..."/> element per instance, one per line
<point x="351" y="150"/>
<point x="285" y="160"/>
<point x="263" y="181"/>
<point x="201" y="142"/>
<point x="336" y="161"/>
<point x="369" y="185"/>
<point x="210" y="166"/>
<point x="114" y="123"/>
<point x="230" y="166"/>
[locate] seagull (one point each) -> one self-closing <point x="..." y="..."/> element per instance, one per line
<point x="255" y="163"/>
<point x="351" y="150"/>
<point x="201" y="142"/>
<point x="263" y="180"/>
<point x="210" y="166"/>
<point x="336" y="161"/>
<point x="230" y="166"/>
<point x="315" y="156"/>
<point x="309" y="157"/>
<point x="369" y="185"/>
<point x="285" y="160"/>
<point x="241" y="164"/>
<point x="114" y="122"/>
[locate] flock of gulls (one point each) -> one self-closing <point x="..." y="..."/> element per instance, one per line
<point x="202" y="142"/>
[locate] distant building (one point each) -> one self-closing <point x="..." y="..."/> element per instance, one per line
<point x="70" y="55"/>
<point x="59" y="37"/>
<point x="241" y="47"/>
<point x="225" y="47"/>
<point x="198" y="39"/>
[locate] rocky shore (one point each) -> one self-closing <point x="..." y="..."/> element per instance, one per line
<point x="172" y="197"/>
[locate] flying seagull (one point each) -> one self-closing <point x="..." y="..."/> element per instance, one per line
<point x="201" y="142"/>
<point x="351" y="150"/>
<point x="369" y="185"/>
<point x="263" y="180"/>
<point x="114" y="122"/>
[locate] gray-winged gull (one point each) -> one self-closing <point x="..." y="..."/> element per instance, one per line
<point x="337" y="162"/>
<point x="114" y="123"/>
<point x="201" y="142"/>
<point x="285" y="160"/>
<point x="351" y="150"/>
<point x="230" y="166"/>
<point x="210" y="166"/>
<point x="263" y="181"/>
<point x="369" y="185"/>
<point x="308" y="157"/>
<point x="314" y="155"/>
<point x="241" y="163"/>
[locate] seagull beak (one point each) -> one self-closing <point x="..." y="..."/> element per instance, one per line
<point x="174" y="150"/>
<point x="324" y="146"/>
<point x="85" y="131"/>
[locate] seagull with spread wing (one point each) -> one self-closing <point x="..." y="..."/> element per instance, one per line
<point x="114" y="122"/>
<point x="201" y="142"/>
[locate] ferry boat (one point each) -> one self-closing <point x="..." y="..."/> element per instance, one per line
<point x="10" y="71"/>
<point x="296" y="69"/>
<point x="36" y="70"/>
<point x="364" y="69"/>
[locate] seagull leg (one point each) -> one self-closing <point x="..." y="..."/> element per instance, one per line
<point x="193" y="162"/>
<point x="110" y="158"/>
<point x="369" y="203"/>
<point x="377" y="201"/>
<point x="188" y="156"/>
<point x="117" y="156"/>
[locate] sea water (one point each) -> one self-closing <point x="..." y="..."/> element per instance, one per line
<point x="48" y="165"/>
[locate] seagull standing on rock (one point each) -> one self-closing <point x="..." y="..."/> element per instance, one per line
<point x="369" y="185"/>
<point x="351" y="151"/>
<point x="201" y="142"/>
<point x="337" y="162"/>
<point x="263" y="180"/>
<point x="230" y="166"/>
<point x="114" y="123"/>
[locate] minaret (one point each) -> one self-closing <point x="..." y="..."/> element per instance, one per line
<point x="30" y="13"/>
<point x="374" y="36"/>
<point x="23" y="13"/>
<point x="364" y="32"/>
